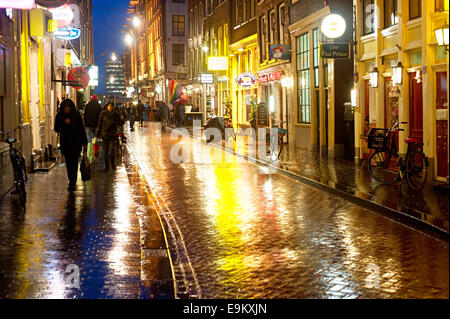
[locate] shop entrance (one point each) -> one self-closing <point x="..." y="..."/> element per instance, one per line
<point x="415" y="108"/>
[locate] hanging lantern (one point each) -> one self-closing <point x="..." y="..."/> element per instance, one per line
<point x="397" y="77"/>
<point x="374" y="77"/>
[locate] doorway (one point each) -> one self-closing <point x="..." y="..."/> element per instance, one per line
<point x="441" y="125"/>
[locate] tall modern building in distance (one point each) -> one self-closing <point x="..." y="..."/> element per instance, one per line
<point x="114" y="77"/>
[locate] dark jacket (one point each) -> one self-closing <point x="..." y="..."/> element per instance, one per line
<point x="108" y="123"/>
<point x="164" y="111"/>
<point x="131" y="113"/>
<point x="180" y="111"/>
<point x="140" y="108"/>
<point x="73" y="135"/>
<point x="91" y="113"/>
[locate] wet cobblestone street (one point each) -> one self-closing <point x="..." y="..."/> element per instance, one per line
<point x="254" y="235"/>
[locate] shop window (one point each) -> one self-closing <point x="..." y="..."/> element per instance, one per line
<point x="303" y="77"/>
<point x="390" y="13"/>
<point x="177" y="54"/>
<point x="415" y="9"/>
<point x="369" y="17"/>
<point x="441" y="5"/>
<point x="178" y="25"/>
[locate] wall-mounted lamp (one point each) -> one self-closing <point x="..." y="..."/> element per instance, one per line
<point x="442" y="36"/>
<point x="397" y="76"/>
<point x="353" y="97"/>
<point x="374" y="77"/>
<point x="418" y="77"/>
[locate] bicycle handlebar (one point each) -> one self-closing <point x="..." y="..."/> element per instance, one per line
<point x="9" y="132"/>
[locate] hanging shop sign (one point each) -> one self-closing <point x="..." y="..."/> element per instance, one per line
<point x="17" y="4"/>
<point x="333" y="26"/>
<point x="261" y="114"/>
<point x="335" y="50"/>
<point x="67" y="33"/>
<point x="245" y="79"/>
<point x="207" y="78"/>
<point x="274" y="76"/>
<point x="280" y="52"/>
<point x="217" y="63"/>
<point x="79" y="75"/>
<point x="63" y="15"/>
<point x="50" y="3"/>
<point x="41" y="23"/>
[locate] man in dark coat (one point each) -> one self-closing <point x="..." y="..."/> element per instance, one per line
<point x="140" y="112"/>
<point x="164" y="115"/>
<point x="107" y="126"/>
<point x="91" y="114"/>
<point x="179" y="107"/>
<point x="131" y="116"/>
<point x="111" y="100"/>
<point x="69" y="125"/>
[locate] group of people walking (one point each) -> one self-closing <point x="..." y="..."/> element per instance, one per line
<point x="105" y="122"/>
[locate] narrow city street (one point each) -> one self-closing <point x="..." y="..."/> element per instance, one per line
<point x="254" y="235"/>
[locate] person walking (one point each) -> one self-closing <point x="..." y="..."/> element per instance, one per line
<point x="108" y="123"/>
<point x="179" y="109"/>
<point x="69" y="125"/>
<point x="164" y="116"/>
<point x="140" y="112"/>
<point x="91" y="114"/>
<point x="131" y="116"/>
<point x="111" y="100"/>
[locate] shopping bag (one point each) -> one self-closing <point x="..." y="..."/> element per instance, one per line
<point x="85" y="169"/>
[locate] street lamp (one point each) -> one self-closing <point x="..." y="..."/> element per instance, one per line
<point x="374" y="77"/>
<point x="397" y="77"/>
<point x="136" y="22"/>
<point x="442" y="36"/>
<point x="129" y="39"/>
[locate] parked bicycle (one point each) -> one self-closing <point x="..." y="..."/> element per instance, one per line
<point x="386" y="166"/>
<point x="18" y="164"/>
<point x="275" y="141"/>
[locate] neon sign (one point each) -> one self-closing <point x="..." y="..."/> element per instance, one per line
<point x="67" y="33"/>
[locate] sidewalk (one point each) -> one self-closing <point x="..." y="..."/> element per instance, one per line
<point x="105" y="228"/>
<point x="427" y="207"/>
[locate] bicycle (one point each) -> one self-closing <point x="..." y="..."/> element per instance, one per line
<point x="274" y="142"/>
<point x="18" y="164"/>
<point x="118" y="144"/>
<point x="387" y="167"/>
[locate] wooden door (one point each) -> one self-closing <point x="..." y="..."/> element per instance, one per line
<point x="441" y="124"/>
<point x="415" y="108"/>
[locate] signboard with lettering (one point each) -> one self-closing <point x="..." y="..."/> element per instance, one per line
<point x="80" y="76"/>
<point x="339" y="50"/>
<point x="217" y="63"/>
<point x="207" y="78"/>
<point x="181" y="76"/>
<point x="280" y="52"/>
<point x="261" y="114"/>
<point x="67" y="33"/>
<point x="274" y="76"/>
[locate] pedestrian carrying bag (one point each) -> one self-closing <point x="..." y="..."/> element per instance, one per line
<point x="85" y="169"/>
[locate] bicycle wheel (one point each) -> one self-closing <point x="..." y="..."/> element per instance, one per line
<point x="382" y="168"/>
<point x="416" y="170"/>
<point x="273" y="147"/>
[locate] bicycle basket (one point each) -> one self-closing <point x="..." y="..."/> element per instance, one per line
<point x="378" y="139"/>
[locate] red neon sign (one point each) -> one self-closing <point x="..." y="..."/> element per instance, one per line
<point x="274" y="76"/>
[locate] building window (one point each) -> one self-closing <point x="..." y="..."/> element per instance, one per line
<point x="282" y="24"/>
<point x="272" y="27"/>
<point x="247" y="10"/>
<point x="390" y="13"/>
<point x="315" y="35"/>
<point x="369" y="17"/>
<point x="191" y="23"/>
<point x="178" y="25"/>
<point x="415" y="9"/>
<point x="441" y="5"/>
<point x="303" y="75"/>
<point x="239" y="12"/>
<point x="262" y="39"/>
<point x="177" y="54"/>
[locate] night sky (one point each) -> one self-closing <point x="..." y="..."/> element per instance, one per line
<point x="109" y="16"/>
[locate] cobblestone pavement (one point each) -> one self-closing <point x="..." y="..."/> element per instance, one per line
<point x="251" y="234"/>
<point x="97" y="229"/>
